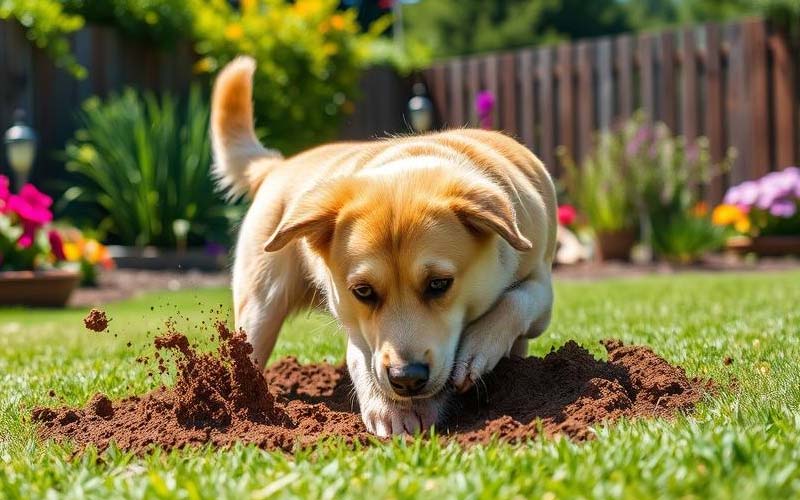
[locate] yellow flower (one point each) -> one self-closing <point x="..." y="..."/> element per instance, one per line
<point x="204" y="65"/>
<point x="727" y="215"/>
<point x="72" y="252"/>
<point x="742" y="225"/>
<point x="234" y="31"/>
<point x="338" y="22"/>
<point x="248" y="5"/>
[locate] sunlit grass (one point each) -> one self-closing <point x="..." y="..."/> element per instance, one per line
<point x="744" y="442"/>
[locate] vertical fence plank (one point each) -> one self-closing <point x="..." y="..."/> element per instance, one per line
<point x="758" y="99"/>
<point x="527" y="81"/>
<point x="490" y="80"/>
<point x="566" y="97"/>
<point x="605" y="84"/>
<point x="437" y="76"/>
<point x="585" y="99"/>
<point x="473" y="87"/>
<point x="713" y="105"/>
<point x="783" y="103"/>
<point x="544" y="59"/>
<point x="624" y="62"/>
<point x="689" y="101"/>
<point x="456" y="117"/>
<point x="646" y="75"/>
<point x="666" y="81"/>
<point x="736" y="106"/>
<point x="508" y="90"/>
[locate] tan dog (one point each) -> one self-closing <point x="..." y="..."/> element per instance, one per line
<point x="433" y="251"/>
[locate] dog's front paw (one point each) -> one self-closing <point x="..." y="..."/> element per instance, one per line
<point x="385" y="418"/>
<point x="478" y="354"/>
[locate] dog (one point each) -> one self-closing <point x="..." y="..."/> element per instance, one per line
<point x="433" y="251"/>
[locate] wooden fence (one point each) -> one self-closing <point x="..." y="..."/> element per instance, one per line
<point x="50" y="96"/>
<point x="29" y="80"/>
<point x="733" y="83"/>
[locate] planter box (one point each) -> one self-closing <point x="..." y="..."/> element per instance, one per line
<point x="766" y="246"/>
<point x="615" y="245"/>
<point x="156" y="259"/>
<point x="37" y="288"/>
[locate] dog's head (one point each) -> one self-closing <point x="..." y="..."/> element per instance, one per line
<point x="411" y="255"/>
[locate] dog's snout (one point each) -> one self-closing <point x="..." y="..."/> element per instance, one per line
<point x="409" y="379"/>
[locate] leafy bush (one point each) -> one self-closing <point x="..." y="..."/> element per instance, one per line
<point x="640" y="174"/>
<point x="599" y="186"/>
<point x="143" y="164"/>
<point x="48" y="24"/>
<point x="309" y="60"/>
<point x="667" y="175"/>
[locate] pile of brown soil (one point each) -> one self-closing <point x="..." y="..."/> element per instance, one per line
<point x="96" y="321"/>
<point x="222" y="398"/>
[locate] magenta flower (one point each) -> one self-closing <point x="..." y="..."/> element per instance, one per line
<point x="56" y="245"/>
<point x="31" y="206"/>
<point x="484" y="105"/>
<point x="5" y="193"/>
<point x="26" y="240"/>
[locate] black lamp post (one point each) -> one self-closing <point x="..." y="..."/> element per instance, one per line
<point x="20" y="142"/>
<point x="420" y="109"/>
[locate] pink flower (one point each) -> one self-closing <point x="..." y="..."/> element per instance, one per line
<point x="567" y="215"/>
<point x="31" y="205"/>
<point x="5" y="193"/>
<point x="56" y="245"/>
<point x="26" y="240"/>
<point x="484" y="105"/>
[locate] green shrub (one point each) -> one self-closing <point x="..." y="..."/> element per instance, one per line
<point x="142" y="164"/>
<point x="599" y="186"/>
<point x="639" y="174"/>
<point x="309" y="54"/>
<point x="47" y="25"/>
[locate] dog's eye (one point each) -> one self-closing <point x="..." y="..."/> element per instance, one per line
<point x="364" y="293"/>
<point x="437" y="287"/>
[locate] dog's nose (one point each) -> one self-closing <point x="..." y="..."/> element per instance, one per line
<point x="408" y="380"/>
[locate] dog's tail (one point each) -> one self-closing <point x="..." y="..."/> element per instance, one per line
<point x="233" y="138"/>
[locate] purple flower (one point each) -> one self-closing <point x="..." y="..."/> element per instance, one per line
<point x="643" y="135"/>
<point x="744" y="194"/>
<point x="484" y="105"/>
<point x="783" y="208"/>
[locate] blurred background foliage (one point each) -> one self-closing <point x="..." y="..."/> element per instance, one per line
<point x="459" y="27"/>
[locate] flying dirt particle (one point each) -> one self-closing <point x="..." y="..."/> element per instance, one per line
<point x="727" y="361"/>
<point x="96" y="321"/>
<point x="51" y="393"/>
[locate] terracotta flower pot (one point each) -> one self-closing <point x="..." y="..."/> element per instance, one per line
<point x="615" y="245"/>
<point x="37" y="288"/>
<point x="766" y="246"/>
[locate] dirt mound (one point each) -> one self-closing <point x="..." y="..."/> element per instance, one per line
<point x="222" y="398"/>
<point x="96" y="320"/>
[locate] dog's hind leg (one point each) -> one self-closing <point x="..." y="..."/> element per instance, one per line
<point x="266" y="289"/>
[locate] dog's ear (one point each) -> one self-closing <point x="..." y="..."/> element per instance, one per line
<point x="313" y="216"/>
<point x="486" y="208"/>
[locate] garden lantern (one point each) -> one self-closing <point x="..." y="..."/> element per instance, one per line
<point x="420" y="109"/>
<point x="20" y="142"/>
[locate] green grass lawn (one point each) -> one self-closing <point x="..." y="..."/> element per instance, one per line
<point x="744" y="442"/>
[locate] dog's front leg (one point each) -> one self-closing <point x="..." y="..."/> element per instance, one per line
<point x="521" y="312"/>
<point x="382" y="415"/>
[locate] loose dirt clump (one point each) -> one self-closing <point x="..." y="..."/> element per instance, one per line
<point x="96" y="321"/>
<point x="222" y="398"/>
